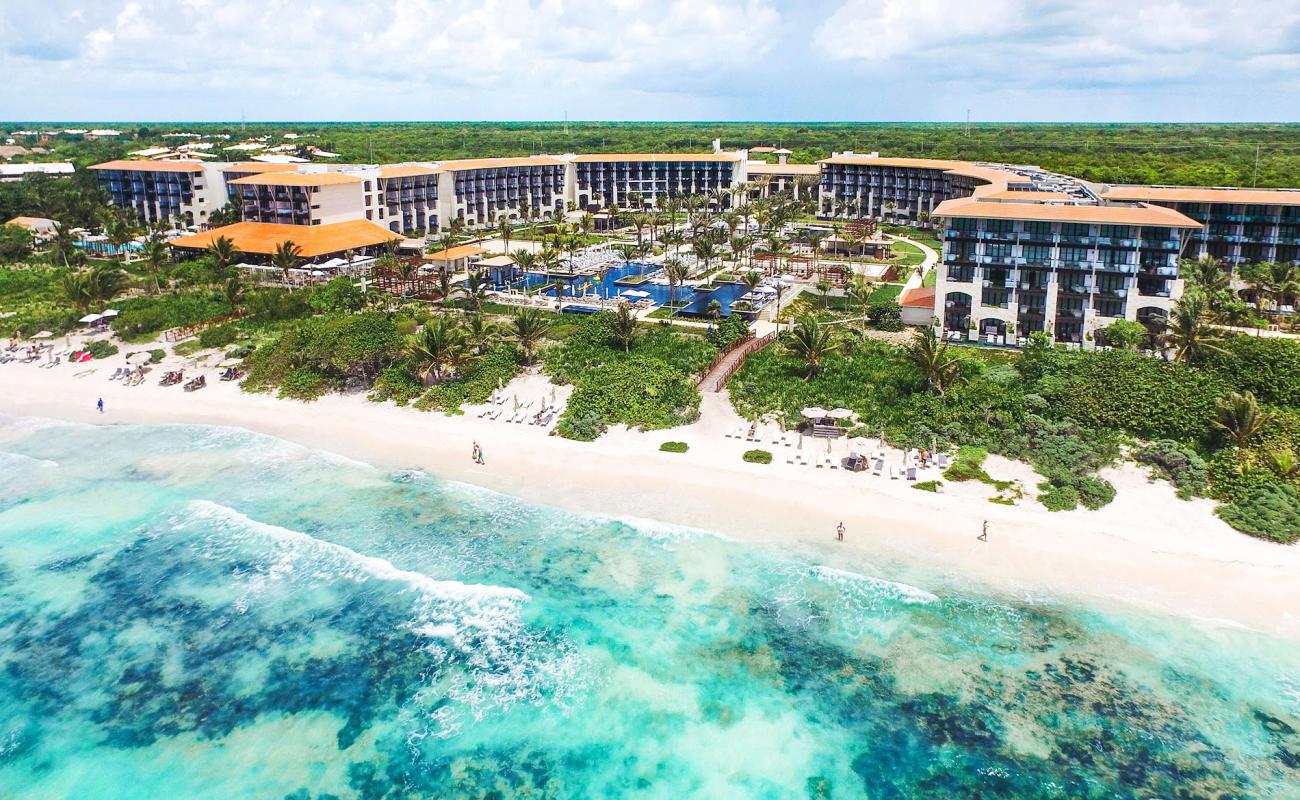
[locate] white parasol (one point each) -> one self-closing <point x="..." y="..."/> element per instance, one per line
<point x="110" y="312"/>
<point x="814" y="412"/>
<point x="89" y="318"/>
<point x="42" y="335"/>
<point x="839" y="413"/>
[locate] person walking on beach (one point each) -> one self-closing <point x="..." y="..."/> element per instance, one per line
<point x="479" y="456"/>
<point x="474" y="454"/>
<point x="100" y="405"/>
<point x="984" y="534"/>
<point x="839" y="532"/>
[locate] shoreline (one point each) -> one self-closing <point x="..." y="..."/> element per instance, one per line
<point x="1146" y="550"/>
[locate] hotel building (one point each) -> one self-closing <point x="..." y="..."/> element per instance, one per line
<point x="184" y="191"/>
<point x="407" y="199"/>
<point x="1015" y="263"/>
<point x="480" y="190"/>
<point x="300" y="198"/>
<point x="603" y="180"/>
<point x="1239" y="226"/>
<point x="903" y="189"/>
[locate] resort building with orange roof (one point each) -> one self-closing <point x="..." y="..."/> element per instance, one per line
<point x="1240" y="226"/>
<point x="1050" y="262"/>
<point x="601" y="180"/>
<point x="185" y="192"/>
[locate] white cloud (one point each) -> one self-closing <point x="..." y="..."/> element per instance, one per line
<point x="1061" y="43"/>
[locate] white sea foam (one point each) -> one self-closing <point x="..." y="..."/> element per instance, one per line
<point x="21" y="461"/>
<point x="902" y="592"/>
<point x="482" y="654"/>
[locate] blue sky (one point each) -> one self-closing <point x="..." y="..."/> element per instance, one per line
<point x="922" y="60"/>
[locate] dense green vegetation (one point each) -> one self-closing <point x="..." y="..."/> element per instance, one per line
<point x="1068" y="414"/>
<point x="757" y="457"/>
<point x="646" y="382"/>
<point x="1199" y="154"/>
<point x="674" y="447"/>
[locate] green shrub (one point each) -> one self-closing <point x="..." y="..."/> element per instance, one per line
<point x="101" y="348"/>
<point x="1179" y="465"/>
<point x="313" y="356"/>
<point x="968" y="465"/>
<point x="727" y="331"/>
<point x="145" y="316"/>
<point x="475" y="385"/>
<point x="582" y="426"/>
<point x="885" y="314"/>
<point x="274" y="305"/>
<point x="674" y="447"/>
<point x="928" y="486"/>
<point x="1145" y="397"/>
<point x="398" y="383"/>
<point x="156" y="355"/>
<point x="1265" y="509"/>
<point x="1267" y="366"/>
<point x="1094" y="492"/>
<point x="339" y="295"/>
<point x="218" y="336"/>
<point x="1058" y="498"/>
<point x="757" y="457"/>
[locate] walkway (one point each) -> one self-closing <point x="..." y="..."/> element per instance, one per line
<point x="726" y="366"/>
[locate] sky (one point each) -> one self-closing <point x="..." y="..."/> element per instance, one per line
<point x="779" y="60"/>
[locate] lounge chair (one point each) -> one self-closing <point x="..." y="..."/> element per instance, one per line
<point x="778" y="436"/>
<point x="831" y="462"/>
<point x="497" y="414"/>
<point x="877" y="467"/>
<point x="895" y="472"/>
<point x="941" y="461"/>
<point x="789" y="456"/>
<point x="911" y="473"/>
<point x="196" y="384"/>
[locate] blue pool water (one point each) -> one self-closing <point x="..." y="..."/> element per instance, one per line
<point x="202" y="612"/>
<point x="106" y="249"/>
<point x="607" y="286"/>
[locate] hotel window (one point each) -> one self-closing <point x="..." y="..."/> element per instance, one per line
<point x="997" y="225"/>
<point x="1074" y="254"/>
<point x="1037" y="253"/>
<point x="1116" y="231"/>
<point x="1078" y="229"/>
<point x="370" y="215"/>
<point x="964" y="225"/>
<point x="997" y="250"/>
<point x="1038" y="228"/>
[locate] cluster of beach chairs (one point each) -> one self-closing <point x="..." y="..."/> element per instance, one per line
<point x="913" y="463"/>
<point x="541" y="413"/>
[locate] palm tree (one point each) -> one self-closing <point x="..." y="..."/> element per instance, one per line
<point x="1190" y="333"/>
<point x="155" y="253"/>
<point x="1240" y="418"/>
<point x="1284" y="280"/>
<point x="860" y="289"/>
<point x="506" y="230"/>
<point x="528" y="327"/>
<point x="479" y="332"/>
<point x="623" y="326"/>
<point x="406" y="272"/>
<point x="1206" y="272"/>
<point x="233" y="290"/>
<point x="812" y="343"/>
<point x="559" y="294"/>
<point x="703" y="250"/>
<point x="751" y="279"/>
<point x="627" y="252"/>
<point x="286" y="257"/>
<point x="63" y="246"/>
<point x="224" y="254"/>
<point x="476" y="290"/>
<point x="76" y="288"/>
<point x="824" y="289"/>
<point x="439" y="350"/>
<point x="675" y="271"/>
<point x="444" y="289"/>
<point x="939" y="367"/>
<point x="713" y="309"/>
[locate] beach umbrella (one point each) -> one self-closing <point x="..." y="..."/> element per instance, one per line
<point x="839" y="413"/>
<point x="814" y="412"/>
<point x="516" y="402"/>
<point x="229" y="362"/>
<point x="89" y="318"/>
<point x="135" y="359"/>
<point x="42" y="335"/>
<point x="800" y="447"/>
<point x="110" y="312"/>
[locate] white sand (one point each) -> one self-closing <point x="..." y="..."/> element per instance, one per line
<point x="1147" y="548"/>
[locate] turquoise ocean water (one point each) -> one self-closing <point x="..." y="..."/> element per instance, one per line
<point x="208" y="613"/>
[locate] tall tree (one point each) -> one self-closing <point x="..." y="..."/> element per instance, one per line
<point x="623" y="326"/>
<point x="1190" y="332"/>
<point x="1240" y="418"/>
<point x="940" y="368"/>
<point x="286" y="257"/>
<point x="811" y="343"/>
<point x="528" y="327"/>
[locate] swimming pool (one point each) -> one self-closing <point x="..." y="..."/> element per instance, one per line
<point x="608" y="285"/>
<point x="106" y="249"/>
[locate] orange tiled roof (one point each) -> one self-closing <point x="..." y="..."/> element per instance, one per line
<point x="919" y="297"/>
<point x="657" y="157"/>
<point x="262" y="238"/>
<point x="296" y="179"/>
<point x="458" y="165"/>
<point x="455" y="253"/>
<point x="1196" y="194"/>
<point x="151" y="166"/>
<point x="1138" y="214"/>
<point x="407" y="170"/>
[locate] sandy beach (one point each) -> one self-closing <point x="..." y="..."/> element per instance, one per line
<point x="1147" y="548"/>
